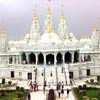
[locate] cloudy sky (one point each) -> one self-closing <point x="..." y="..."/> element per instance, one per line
<point x="81" y="15"/>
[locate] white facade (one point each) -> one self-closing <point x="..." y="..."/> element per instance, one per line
<point x="49" y="53"/>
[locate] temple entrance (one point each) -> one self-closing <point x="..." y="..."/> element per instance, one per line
<point x="40" y="58"/>
<point x="24" y="61"/>
<point x="88" y="72"/>
<point x="12" y="74"/>
<point x="50" y="59"/>
<point x="32" y="58"/>
<point x="76" y="57"/>
<point x="71" y="75"/>
<point x="29" y="76"/>
<point x="68" y="57"/>
<point x="59" y="58"/>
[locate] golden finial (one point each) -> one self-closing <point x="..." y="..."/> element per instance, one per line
<point x="35" y="16"/>
<point x="49" y="11"/>
<point x="62" y="15"/>
<point x="95" y="29"/>
<point x="49" y="30"/>
<point x="3" y="32"/>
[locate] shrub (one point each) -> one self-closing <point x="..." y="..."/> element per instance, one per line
<point x="22" y="89"/>
<point x="19" y="94"/>
<point x="91" y="80"/>
<point x="17" y="88"/>
<point x="87" y="81"/>
<point x="9" y="82"/>
<point x="76" y="91"/>
<point x="94" y="99"/>
<point x="3" y="81"/>
<point x="84" y="86"/>
<point x="82" y="92"/>
<point x="98" y="94"/>
<point x="85" y="98"/>
<point x="80" y="87"/>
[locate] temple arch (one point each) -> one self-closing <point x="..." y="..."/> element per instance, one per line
<point x="76" y="57"/>
<point x="10" y="60"/>
<point x="68" y="57"/>
<point x="59" y="58"/>
<point x="23" y="56"/>
<point x="32" y="58"/>
<point x="40" y="58"/>
<point x="49" y="59"/>
<point x="88" y="58"/>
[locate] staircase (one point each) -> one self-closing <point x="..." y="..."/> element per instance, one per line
<point x="52" y="75"/>
<point x="40" y="78"/>
<point x="61" y="76"/>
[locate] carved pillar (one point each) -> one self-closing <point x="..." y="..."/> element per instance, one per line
<point x="55" y="60"/>
<point x="17" y="59"/>
<point x="27" y="58"/>
<point x="20" y="60"/>
<point x="72" y="57"/>
<point x="7" y="58"/>
<point x="44" y="59"/>
<point x="36" y="55"/>
<point x="13" y="59"/>
<point x="63" y="57"/>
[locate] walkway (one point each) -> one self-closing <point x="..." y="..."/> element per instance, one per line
<point x="41" y="96"/>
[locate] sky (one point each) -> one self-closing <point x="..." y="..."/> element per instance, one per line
<point x="81" y="15"/>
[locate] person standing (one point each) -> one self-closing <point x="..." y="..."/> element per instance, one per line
<point x="62" y="92"/>
<point x="62" y="85"/>
<point x="59" y="92"/>
<point x="29" y="96"/>
<point x="67" y="92"/>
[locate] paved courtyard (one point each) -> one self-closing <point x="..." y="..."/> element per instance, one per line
<point x="41" y="96"/>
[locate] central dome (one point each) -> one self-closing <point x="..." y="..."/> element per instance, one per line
<point x="50" y="38"/>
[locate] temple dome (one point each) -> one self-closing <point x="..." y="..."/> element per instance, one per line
<point x="50" y="38"/>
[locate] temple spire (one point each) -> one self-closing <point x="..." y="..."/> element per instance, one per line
<point x="62" y="28"/>
<point x="95" y="38"/>
<point x="4" y="42"/>
<point x="35" y="15"/>
<point x="95" y="29"/>
<point x="49" y="21"/>
<point x="3" y="32"/>
<point x="62" y="15"/>
<point x="35" y="28"/>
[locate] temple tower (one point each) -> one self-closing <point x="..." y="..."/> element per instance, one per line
<point x="35" y="28"/>
<point x="95" y="38"/>
<point x="62" y="28"/>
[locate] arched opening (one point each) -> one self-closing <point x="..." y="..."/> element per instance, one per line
<point x="50" y="59"/>
<point x="10" y="60"/>
<point x="40" y="58"/>
<point x="76" y="57"/>
<point x="24" y="61"/>
<point x="59" y="58"/>
<point x="32" y="58"/>
<point x="88" y="58"/>
<point x="68" y="57"/>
